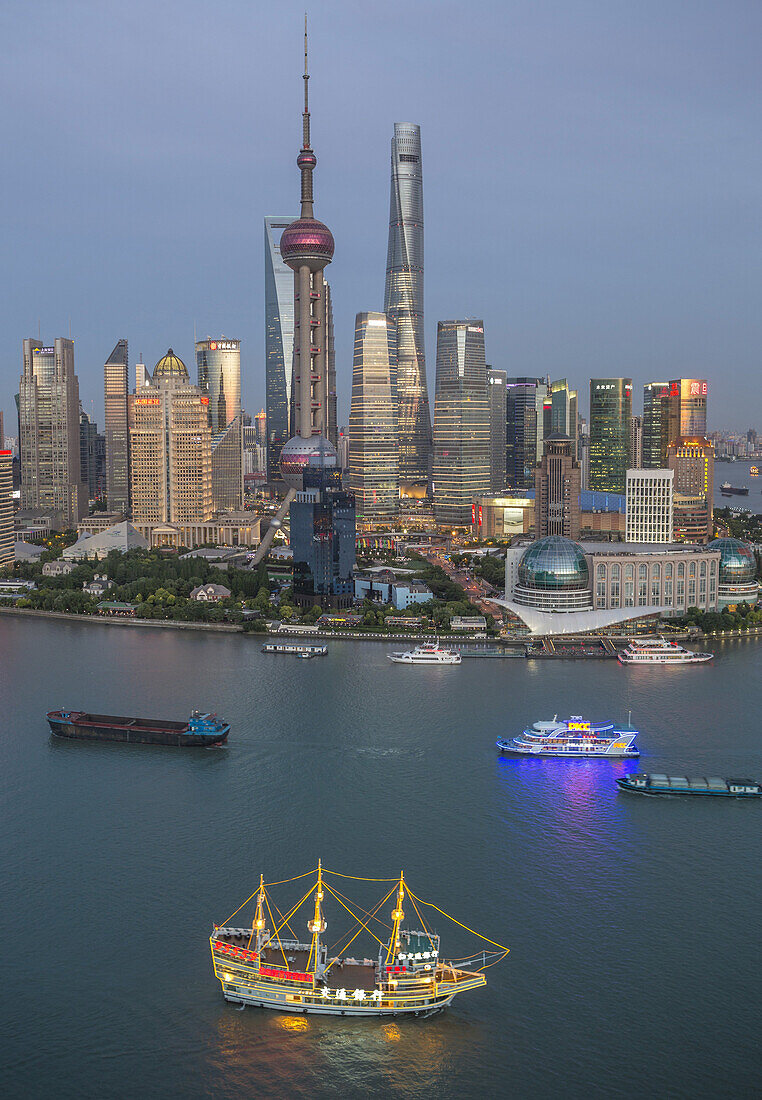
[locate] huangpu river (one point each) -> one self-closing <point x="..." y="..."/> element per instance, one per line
<point x="633" y="922"/>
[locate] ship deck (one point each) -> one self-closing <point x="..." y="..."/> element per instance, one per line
<point x="349" y="973"/>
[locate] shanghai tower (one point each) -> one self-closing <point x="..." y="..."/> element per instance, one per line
<point x="403" y="302"/>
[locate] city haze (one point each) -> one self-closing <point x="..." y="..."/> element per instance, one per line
<point x="591" y="180"/>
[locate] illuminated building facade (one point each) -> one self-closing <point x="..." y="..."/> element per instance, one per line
<point x="219" y="378"/>
<point x="171" y="444"/>
<point x="323" y="540"/>
<point x="403" y="302"/>
<point x="557" y="489"/>
<point x="496" y="381"/>
<point x="374" y="450"/>
<point x="563" y="411"/>
<point x="610" y="413"/>
<point x="7" y="538"/>
<point x="279" y="343"/>
<point x="49" y="425"/>
<point x="461" y="422"/>
<point x="686" y="408"/>
<point x="524" y="429"/>
<point x="692" y="459"/>
<point x="117" y="432"/>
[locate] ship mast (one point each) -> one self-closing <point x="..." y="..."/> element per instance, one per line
<point x="317" y="924"/>
<point x="258" y="924"/>
<point x="398" y="915"/>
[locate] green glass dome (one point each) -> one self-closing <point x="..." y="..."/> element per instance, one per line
<point x="170" y="366"/>
<point x="554" y="563"/>
<point x="737" y="562"/>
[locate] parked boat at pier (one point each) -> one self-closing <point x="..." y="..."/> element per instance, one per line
<point x="295" y="649"/>
<point x="199" y="731"/>
<point x="658" y="651"/>
<point x="257" y="966"/>
<point x="428" y="653"/>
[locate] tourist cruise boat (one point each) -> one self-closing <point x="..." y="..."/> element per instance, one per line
<point x="256" y="966"/>
<point x="658" y="651"/>
<point x="429" y="653"/>
<point x="573" y="737"/>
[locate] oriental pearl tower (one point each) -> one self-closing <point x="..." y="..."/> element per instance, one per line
<point x="306" y="245"/>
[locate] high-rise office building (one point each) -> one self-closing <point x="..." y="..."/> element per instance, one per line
<point x="610" y="412"/>
<point x="116" y="387"/>
<point x="219" y="378"/>
<point x="323" y="539"/>
<point x="142" y="376"/>
<point x="524" y="431"/>
<point x="692" y="459"/>
<point x="461" y="422"/>
<point x="2" y="432"/>
<point x="227" y="467"/>
<point x="649" y="503"/>
<point x="403" y="302"/>
<point x="7" y="541"/>
<point x="332" y="424"/>
<point x="686" y="409"/>
<point x="636" y="442"/>
<point x="563" y="411"/>
<point x="497" y="380"/>
<point x="171" y="440"/>
<point x="279" y="343"/>
<point x="88" y="453"/>
<point x="654" y="425"/>
<point x="51" y="473"/>
<point x="374" y="471"/>
<point x="557" y="483"/>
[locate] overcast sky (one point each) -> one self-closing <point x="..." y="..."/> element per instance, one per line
<point x="592" y="179"/>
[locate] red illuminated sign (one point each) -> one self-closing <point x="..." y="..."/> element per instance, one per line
<point x="480" y="515"/>
<point x="287" y="975"/>
<point x="147" y="400"/>
<point x="473" y="513"/>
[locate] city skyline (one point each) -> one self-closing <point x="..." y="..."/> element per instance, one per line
<point x="668" y="315"/>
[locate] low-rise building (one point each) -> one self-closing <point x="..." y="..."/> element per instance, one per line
<point x="407" y="593"/>
<point x="115" y="608"/>
<point x="122" y="537"/>
<point x="471" y="623"/>
<point x="211" y="593"/>
<point x="98" y="586"/>
<point x="58" y="568"/>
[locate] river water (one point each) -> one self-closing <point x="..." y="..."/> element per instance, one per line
<point x="633" y="922"/>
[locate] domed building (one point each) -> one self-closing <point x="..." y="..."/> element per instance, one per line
<point x="170" y="368"/>
<point x="738" y="571"/>
<point x="553" y="576"/>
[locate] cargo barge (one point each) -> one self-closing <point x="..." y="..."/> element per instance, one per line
<point x="680" y="784"/>
<point x="200" y="731"/>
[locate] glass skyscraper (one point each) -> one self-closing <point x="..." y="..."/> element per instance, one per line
<point x="461" y="422"/>
<point x="497" y="380"/>
<point x="323" y="540"/>
<point x="279" y="343"/>
<point x="524" y="429"/>
<point x="654" y="425"/>
<point x="227" y="467"/>
<point x="610" y="413"/>
<point x="117" y="432"/>
<point x="219" y="378"/>
<point x="373" y="440"/>
<point x="403" y="302"/>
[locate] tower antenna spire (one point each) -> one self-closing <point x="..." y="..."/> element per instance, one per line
<point x="306" y="115"/>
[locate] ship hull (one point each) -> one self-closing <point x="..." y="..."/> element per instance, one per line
<point x="343" y="1009"/>
<point x="512" y="751"/>
<point x="135" y="732"/>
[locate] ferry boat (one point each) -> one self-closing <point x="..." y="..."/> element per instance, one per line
<point x="658" y="651"/>
<point x="429" y="653"/>
<point x="680" y="784"/>
<point x="296" y="649"/>
<point x="573" y="737"/>
<point x="260" y="967"/>
<point x="199" y="731"/>
<point x="754" y="471"/>
<point x="729" y="490"/>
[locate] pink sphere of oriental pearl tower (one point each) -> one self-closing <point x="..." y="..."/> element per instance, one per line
<point x="306" y="245"/>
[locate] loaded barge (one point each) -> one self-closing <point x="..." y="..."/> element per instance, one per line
<point x="680" y="784"/>
<point x="201" y="730"/>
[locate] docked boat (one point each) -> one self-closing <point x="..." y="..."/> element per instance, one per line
<point x="429" y="653"/>
<point x="729" y="490"/>
<point x="658" y="651"/>
<point x="573" y="737"/>
<point x="680" y="784"/>
<point x="262" y="967"/>
<point x="295" y="649"/>
<point x="754" y="471"/>
<point x="201" y="730"/>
